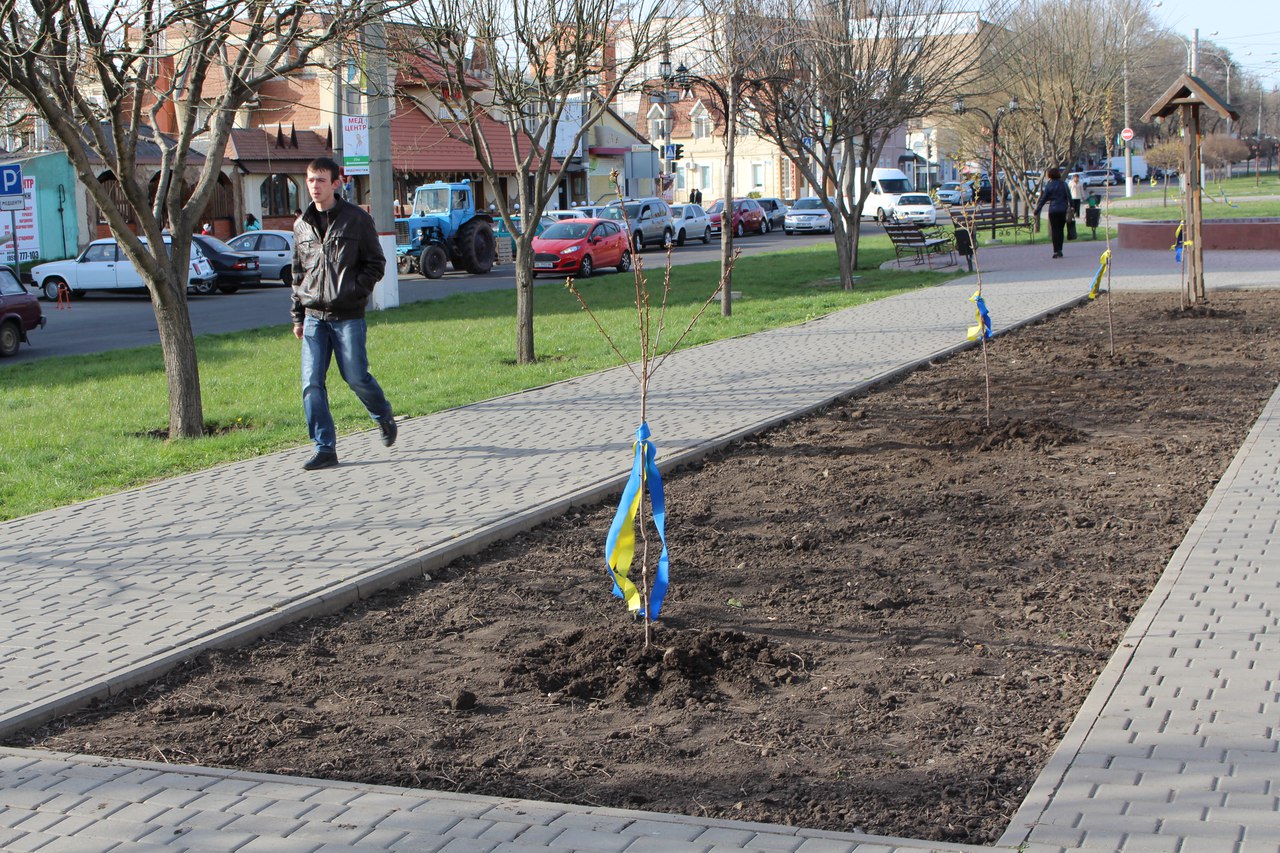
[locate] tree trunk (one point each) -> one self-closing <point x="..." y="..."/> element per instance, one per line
<point x="846" y="254"/>
<point x="181" y="368"/>
<point x="726" y="215"/>
<point x="524" y="300"/>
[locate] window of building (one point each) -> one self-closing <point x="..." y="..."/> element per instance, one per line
<point x="757" y="174"/>
<point x="704" y="177"/>
<point x="700" y="116"/>
<point x="279" y="196"/>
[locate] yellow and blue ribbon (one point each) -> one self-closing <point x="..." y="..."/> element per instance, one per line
<point x="1177" y="244"/>
<point x="983" y="327"/>
<point x="1104" y="262"/>
<point x="620" y="544"/>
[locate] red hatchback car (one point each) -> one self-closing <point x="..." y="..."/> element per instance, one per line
<point x="19" y="312"/>
<point x="580" y="247"/>
<point x="748" y="216"/>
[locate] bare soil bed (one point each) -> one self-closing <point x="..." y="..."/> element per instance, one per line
<point x="882" y="617"/>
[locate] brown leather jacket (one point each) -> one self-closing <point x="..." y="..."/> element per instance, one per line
<point x="333" y="276"/>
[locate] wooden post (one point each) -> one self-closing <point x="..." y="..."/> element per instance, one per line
<point x="1191" y="206"/>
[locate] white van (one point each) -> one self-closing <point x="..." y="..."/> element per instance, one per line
<point x="886" y="186"/>
<point x="1140" y="170"/>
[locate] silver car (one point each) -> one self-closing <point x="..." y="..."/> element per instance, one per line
<point x="692" y="223"/>
<point x="273" y="249"/>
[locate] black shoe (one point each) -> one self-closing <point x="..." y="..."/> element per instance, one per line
<point x="389" y="430"/>
<point x="321" y="460"/>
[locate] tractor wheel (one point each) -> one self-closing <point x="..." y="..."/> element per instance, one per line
<point x="476" y="246"/>
<point x="432" y="261"/>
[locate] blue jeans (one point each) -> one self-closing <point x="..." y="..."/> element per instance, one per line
<point x="321" y="340"/>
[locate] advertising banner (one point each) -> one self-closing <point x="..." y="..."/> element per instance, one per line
<point x="25" y="220"/>
<point x="355" y="145"/>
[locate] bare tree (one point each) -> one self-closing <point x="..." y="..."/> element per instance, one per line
<point x="1067" y="60"/>
<point x="729" y="66"/>
<point x="551" y="67"/>
<point x="104" y="76"/>
<point x="847" y="76"/>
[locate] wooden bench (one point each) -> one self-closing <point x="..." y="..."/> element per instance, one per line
<point x="979" y="219"/>
<point x="909" y="239"/>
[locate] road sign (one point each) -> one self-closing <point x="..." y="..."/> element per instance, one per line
<point x="13" y="202"/>
<point x="1126" y="134"/>
<point x="11" y="180"/>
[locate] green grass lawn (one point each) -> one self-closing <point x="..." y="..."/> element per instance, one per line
<point x="78" y="427"/>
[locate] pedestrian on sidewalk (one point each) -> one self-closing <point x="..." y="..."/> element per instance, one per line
<point x="337" y="261"/>
<point x="1077" y="193"/>
<point x="1058" y="198"/>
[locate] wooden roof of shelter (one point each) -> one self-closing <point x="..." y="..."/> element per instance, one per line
<point x="1189" y="91"/>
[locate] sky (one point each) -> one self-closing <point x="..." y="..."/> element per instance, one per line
<point x="1249" y="29"/>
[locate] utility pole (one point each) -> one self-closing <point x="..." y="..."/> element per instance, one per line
<point x="387" y="293"/>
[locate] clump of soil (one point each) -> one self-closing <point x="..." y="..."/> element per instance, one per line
<point x="882" y="617"/>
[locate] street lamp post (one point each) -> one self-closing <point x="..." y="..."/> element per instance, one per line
<point x="960" y="109"/>
<point x="664" y="71"/>
<point x="1128" y="144"/>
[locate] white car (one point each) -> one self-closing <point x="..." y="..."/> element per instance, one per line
<point x="915" y="208"/>
<point x="103" y="266"/>
<point x="954" y="192"/>
<point x="273" y="249"/>
<point x="565" y="214"/>
<point x="691" y="222"/>
<point x="808" y="214"/>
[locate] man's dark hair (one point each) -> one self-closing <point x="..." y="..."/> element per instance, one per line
<point x="321" y="164"/>
<point x="1055" y="174"/>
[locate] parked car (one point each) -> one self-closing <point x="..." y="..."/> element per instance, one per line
<point x="915" y="207"/>
<point x="691" y="222"/>
<point x="591" y="211"/>
<point x="747" y="216"/>
<point x="775" y="212"/>
<point x="19" y="312"/>
<point x="567" y="214"/>
<point x="1101" y="177"/>
<point x="103" y="266"/>
<point x="649" y="220"/>
<point x="235" y="269"/>
<point x="580" y="247"/>
<point x="954" y="192"/>
<point x="808" y="214"/>
<point x="273" y="249"/>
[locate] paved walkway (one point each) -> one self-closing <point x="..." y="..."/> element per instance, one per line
<point x="1174" y="749"/>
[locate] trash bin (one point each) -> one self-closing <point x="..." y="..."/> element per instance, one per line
<point x="964" y="245"/>
<point x="1092" y="217"/>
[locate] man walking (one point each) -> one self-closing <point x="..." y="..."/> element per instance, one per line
<point x="337" y="261"/>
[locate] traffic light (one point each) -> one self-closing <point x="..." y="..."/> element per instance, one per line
<point x="679" y="152"/>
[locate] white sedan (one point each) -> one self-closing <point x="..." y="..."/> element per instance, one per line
<point x="691" y="223"/>
<point x="103" y="266"/>
<point x="915" y="208"/>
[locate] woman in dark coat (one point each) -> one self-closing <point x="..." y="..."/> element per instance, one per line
<point x="1058" y="198"/>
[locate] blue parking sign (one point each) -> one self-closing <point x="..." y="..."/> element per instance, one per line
<point x="11" y="179"/>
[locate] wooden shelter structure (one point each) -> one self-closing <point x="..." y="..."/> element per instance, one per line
<point x="1187" y="96"/>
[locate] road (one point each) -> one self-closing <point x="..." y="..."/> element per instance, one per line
<point x="100" y="322"/>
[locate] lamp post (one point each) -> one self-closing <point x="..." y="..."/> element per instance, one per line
<point x="1226" y="65"/>
<point x="664" y="71"/>
<point x="1128" y="145"/>
<point x="960" y="109"/>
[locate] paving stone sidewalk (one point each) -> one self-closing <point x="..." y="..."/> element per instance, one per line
<point x="111" y="592"/>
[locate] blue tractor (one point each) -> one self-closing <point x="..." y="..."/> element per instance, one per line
<point x="443" y="226"/>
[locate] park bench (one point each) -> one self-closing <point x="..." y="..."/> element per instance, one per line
<point x="979" y="219"/>
<point x="913" y="241"/>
